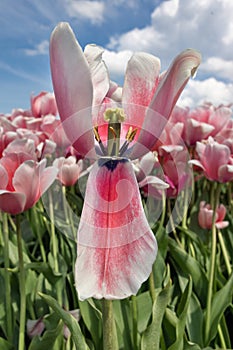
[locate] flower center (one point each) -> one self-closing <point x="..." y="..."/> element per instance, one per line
<point x="114" y="117"/>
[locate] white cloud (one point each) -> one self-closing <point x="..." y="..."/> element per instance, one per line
<point x="209" y="90"/>
<point x="116" y="61"/>
<point x="135" y="40"/>
<point x="41" y="49"/>
<point x="206" y="25"/>
<point x="86" y="9"/>
<point x="219" y="67"/>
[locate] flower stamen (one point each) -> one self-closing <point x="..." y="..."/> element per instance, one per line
<point x="130" y="135"/>
<point x="98" y="139"/>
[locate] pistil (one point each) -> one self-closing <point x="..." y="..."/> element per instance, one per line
<point x="114" y="117"/>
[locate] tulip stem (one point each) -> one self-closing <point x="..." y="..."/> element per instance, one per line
<point x="7" y="277"/>
<point x="37" y="231"/>
<point x="53" y="236"/>
<point x="212" y="263"/>
<point x="224" y="252"/>
<point x="135" y="321"/>
<point x="22" y="319"/>
<point x="109" y="328"/>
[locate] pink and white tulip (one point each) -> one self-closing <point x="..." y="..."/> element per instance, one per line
<point x="215" y="161"/>
<point x="23" y="181"/>
<point x="69" y="169"/>
<point x="205" y="216"/>
<point x="43" y="104"/>
<point x="116" y="247"/>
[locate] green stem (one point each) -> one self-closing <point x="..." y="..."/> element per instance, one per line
<point x="221" y="337"/>
<point x="172" y="223"/>
<point x="109" y="327"/>
<point x="162" y="219"/>
<point x="135" y="321"/>
<point x="212" y="261"/>
<point x="224" y="252"/>
<point x="7" y="277"/>
<point x="37" y="225"/>
<point x="64" y="204"/>
<point x="22" y="319"/>
<point x="53" y="235"/>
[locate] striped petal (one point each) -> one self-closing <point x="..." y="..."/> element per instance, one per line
<point x="73" y="88"/>
<point x="116" y="247"/>
<point x="169" y="89"/>
<point x="141" y="81"/>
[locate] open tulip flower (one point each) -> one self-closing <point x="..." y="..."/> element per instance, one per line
<point x="116" y="247"/>
<point x="23" y="181"/>
<point x="205" y="216"/>
<point x="215" y="160"/>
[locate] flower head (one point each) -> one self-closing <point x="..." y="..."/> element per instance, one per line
<point x="205" y="216"/>
<point x="116" y="247"/>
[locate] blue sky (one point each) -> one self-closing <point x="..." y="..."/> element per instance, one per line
<point x="163" y="28"/>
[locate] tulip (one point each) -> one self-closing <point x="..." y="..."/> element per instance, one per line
<point x="215" y="160"/>
<point x="43" y="104"/>
<point x="205" y="216"/>
<point x="23" y="181"/>
<point x="116" y="247"/>
<point x="68" y="170"/>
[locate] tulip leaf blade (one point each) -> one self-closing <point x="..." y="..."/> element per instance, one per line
<point x="69" y="320"/>
<point x="221" y="300"/>
<point x="151" y="336"/>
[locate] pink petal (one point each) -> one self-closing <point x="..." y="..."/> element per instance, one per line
<point x="172" y="84"/>
<point x="222" y="224"/>
<point x="99" y="73"/>
<point x="12" y="202"/>
<point x="4" y="177"/>
<point x="146" y="165"/>
<point x="26" y="181"/>
<point x="73" y="88"/>
<point x="46" y="177"/>
<point x="155" y="181"/>
<point x="116" y="248"/>
<point x="141" y="81"/>
<point x="225" y="173"/>
<point x="215" y="156"/>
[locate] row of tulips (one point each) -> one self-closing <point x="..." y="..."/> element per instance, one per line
<point x="129" y="171"/>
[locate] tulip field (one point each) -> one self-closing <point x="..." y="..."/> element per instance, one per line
<point x="116" y="210"/>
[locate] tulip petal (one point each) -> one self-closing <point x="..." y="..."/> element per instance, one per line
<point x="4" y="177"/>
<point x="99" y="73"/>
<point x="169" y="89"/>
<point x="73" y="88"/>
<point x="12" y="202"/>
<point x="116" y="247"/>
<point x="47" y="177"/>
<point x="141" y="81"/>
<point x="26" y="181"/>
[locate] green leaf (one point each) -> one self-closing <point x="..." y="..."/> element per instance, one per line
<point x="69" y="320"/>
<point x="182" y="315"/>
<point x="92" y="318"/>
<point x="221" y="300"/>
<point x="191" y="346"/>
<point x="123" y="317"/>
<point x="190" y="266"/>
<point x="151" y="336"/>
<point x="5" y="345"/>
<point x="144" y="310"/>
<point x="48" y="340"/>
<point x="195" y="320"/>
